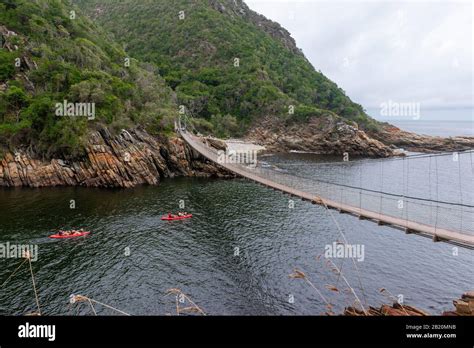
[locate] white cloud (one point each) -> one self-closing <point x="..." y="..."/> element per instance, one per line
<point x="405" y="51"/>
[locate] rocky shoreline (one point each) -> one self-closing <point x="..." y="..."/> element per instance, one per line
<point x="325" y="135"/>
<point x="462" y="307"/>
<point x="126" y="160"/>
<point x="332" y="136"/>
<point x="135" y="157"/>
<point x="394" y="136"/>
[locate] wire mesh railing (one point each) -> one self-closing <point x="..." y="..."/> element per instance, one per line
<point x="429" y="208"/>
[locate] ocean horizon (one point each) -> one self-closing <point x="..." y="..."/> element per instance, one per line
<point x="444" y="122"/>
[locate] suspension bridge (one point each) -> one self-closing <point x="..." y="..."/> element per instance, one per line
<point x="441" y="220"/>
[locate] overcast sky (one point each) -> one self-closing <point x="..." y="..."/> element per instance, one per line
<point x="400" y="51"/>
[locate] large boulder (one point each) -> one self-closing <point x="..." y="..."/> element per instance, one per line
<point x="216" y="143"/>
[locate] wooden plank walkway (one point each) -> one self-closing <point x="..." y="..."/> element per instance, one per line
<point x="410" y="227"/>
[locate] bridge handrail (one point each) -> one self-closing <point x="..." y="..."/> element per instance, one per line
<point x="280" y="180"/>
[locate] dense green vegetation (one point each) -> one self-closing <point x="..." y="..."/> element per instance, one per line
<point x="196" y="56"/>
<point x="227" y="68"/>
<point x="55" y="55"/>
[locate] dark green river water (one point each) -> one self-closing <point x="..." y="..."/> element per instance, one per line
<point x="132" y="257"/>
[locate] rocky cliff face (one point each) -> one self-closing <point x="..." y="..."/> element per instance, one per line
<point x="333" y="136"/>
<point x="135" y="158"/>
<point x="327" y="135"/>
<point x="129" y="159"/>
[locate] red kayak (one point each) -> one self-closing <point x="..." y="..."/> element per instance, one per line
<point x="80" y="234"/>
<point x="176" y="217"/>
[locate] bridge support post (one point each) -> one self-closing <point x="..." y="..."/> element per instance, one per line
<point x="409" y="230"/>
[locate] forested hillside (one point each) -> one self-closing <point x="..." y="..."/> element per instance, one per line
<point x="90" y="89"/>
<point x="227" y="64"/>
<point x="51" y="53"/>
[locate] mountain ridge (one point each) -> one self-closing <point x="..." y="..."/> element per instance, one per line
<point x="51" y="53"/>
<point x="240" y="8"/>
<point x="226" y="63"/>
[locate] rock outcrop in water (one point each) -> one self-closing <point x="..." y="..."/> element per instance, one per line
<point x="334" y="136"/>
<point x="463" y="306"/>
<point x="397" y="137"/>
<point x="395" y="309"/>
<point x="327" y="135"/>
<point x="126" y="160"/>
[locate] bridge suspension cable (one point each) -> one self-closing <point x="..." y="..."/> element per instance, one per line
<point x="413" y="156"/>
<point x="411" y="215"/>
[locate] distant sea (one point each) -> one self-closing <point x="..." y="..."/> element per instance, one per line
<point x="446" y="122"/>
